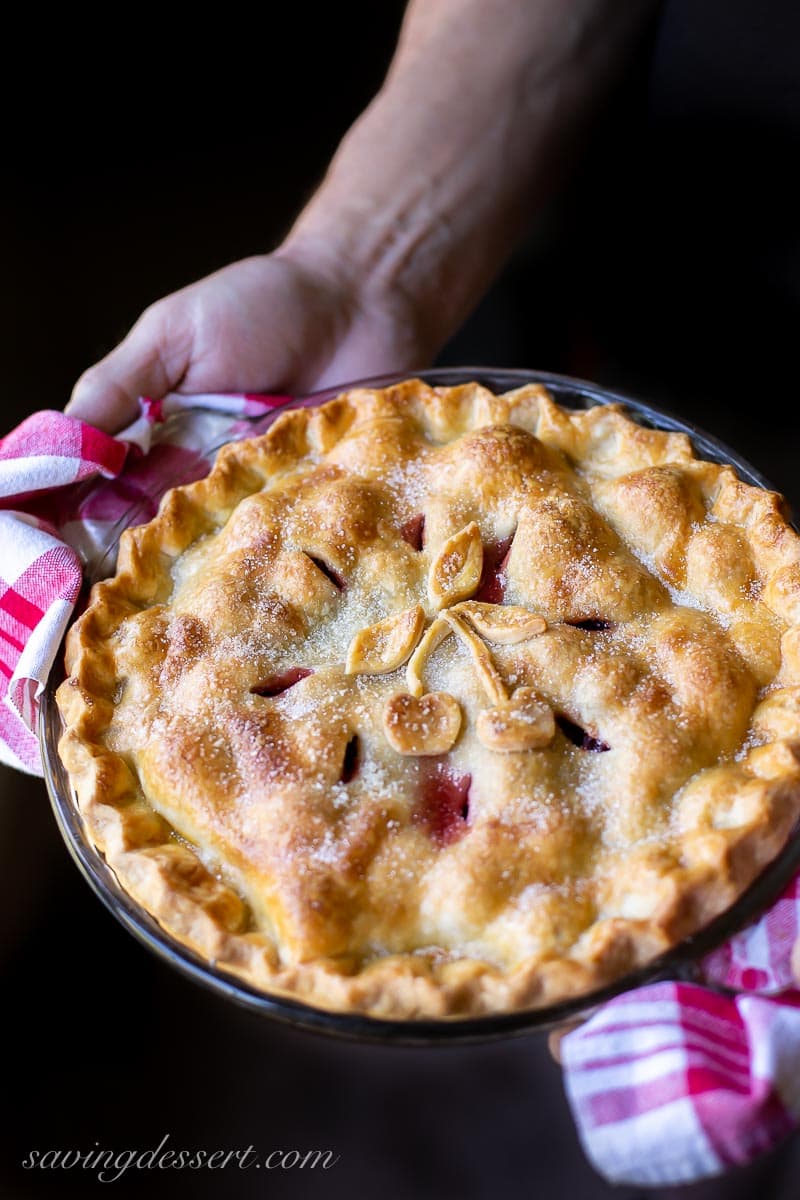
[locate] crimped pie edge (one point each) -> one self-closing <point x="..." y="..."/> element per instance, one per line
<point x="168" y="879"/>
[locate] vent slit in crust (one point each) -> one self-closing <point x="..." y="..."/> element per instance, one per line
<point x="351" y="760"/>
<point x="593" y="625"/>
<point x="413" y="532"/>
<point x="444" y="804"/>
<point x="330" y="573"/>
<point x="579" y="736"/>
<point x="276" y="685"/>
<point x="491" y="589"/>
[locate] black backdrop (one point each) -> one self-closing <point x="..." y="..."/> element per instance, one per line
<point x="135" y="160"/>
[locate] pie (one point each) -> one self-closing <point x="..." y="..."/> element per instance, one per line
<point x="434" y="703"/>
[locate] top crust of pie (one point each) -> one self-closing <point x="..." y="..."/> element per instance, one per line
<point x="434" y="703"/>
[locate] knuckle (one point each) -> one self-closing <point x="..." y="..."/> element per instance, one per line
<point x="90" y="380"/>
<point x="154" y="316"/>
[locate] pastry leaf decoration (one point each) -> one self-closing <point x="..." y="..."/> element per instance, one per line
<point x="417" y="722"/>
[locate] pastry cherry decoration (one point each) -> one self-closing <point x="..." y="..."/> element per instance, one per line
<point x="276" y="685"/>
<point x="443" y="808"/>
<point x="579" y="736"/>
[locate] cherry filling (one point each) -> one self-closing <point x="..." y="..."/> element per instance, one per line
<point x="338" y="581"/>
<point x="579" y="736"/>
<point x="593" y="625"/>
<point x="443" y="806"/>
<point x="350" y="762"/>
<point x="276" y="685"/>
<point x="413" y="532"/>
<point x="491" y="589"/>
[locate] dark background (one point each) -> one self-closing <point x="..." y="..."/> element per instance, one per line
<point x="670" y="265"/>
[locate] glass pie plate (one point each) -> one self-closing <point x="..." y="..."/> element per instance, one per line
<point x="679" y="962"/>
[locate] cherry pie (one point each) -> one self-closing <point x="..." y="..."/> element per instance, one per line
<point x="431" y="702"/>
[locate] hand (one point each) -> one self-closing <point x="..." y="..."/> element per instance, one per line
<point x="555" y="1037"/>
<point x="423" y="202"/>
<point x="280" y="322"/>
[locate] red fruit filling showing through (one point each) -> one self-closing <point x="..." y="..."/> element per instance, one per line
<point x="413" y="532"/>
<point x="277" y="684"/>
<point x="338" y="581"/>
<point x="579" y="736"/>
<point x="491" y="589"/>
<point x="443" y="807"/>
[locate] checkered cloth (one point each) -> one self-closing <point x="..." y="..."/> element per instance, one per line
<point x="669" y="1083"/>
<point x="674" y="1082"/>
<point x="66" y="491"/>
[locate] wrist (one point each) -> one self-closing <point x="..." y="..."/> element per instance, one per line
<point x="354" y="252"/>
<point x="398" y="263"/>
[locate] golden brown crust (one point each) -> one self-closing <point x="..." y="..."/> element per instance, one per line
<point x="624" y="733"/>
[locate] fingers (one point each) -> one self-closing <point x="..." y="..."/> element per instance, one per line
<point x="555" y="1038"/>
<point x="142" y="365"/>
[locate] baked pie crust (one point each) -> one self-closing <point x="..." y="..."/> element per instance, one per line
<point x="432" y="703"/>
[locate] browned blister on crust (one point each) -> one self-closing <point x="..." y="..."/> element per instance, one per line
<point x="332" y="745"/>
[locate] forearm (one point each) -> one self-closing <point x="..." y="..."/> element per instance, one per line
<point x="431" y="188"/>
<point x="423" y="202"/>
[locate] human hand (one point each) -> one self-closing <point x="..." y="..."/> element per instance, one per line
<point x="284" y="322"/>
<point x="556" y="1036"/>
<point x="424" y="200"/>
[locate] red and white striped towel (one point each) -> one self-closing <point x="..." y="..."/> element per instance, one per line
<point x="669" y="1083"/>
<point x="674" y="1082"/>
<point x="66" y="489"/>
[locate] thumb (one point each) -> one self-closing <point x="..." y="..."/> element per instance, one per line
<point x="556" y="1036"/>
<point x="141" y="365"/>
